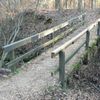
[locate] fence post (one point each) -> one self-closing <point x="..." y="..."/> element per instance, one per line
<point x="83" y="19"/>
<point x="87" y="39"/>
<point x="62" y="68"/>
<point x="98" y="39"/>
<point x="98" y="33"/>
<point x="98" y="29"/>
<point x="87" y="46"/>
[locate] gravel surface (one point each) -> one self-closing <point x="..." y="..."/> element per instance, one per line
<point x="35" y="76"/>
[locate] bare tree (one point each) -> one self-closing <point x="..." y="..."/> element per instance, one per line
<point x="93" y="4"/>
<point x="66" y="3"/>
<point x="80" y="5"/>
<point x="58" y="5"/>
<point x="10" y="9"/>
<point x="14" y="12"/>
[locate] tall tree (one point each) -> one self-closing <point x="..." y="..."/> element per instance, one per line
<point x="93" y="4"/>
<point x="79" y="5"/>
<point x="58" y="4"/>
<point x="66" y="3"/>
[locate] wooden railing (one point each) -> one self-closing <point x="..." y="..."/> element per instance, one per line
<point x="10" y="47"/>
<point x="60" y="50"/>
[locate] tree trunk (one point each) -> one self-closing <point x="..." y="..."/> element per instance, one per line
<point x="65" y="3"/>
<point x="58" y="5"/>
<point x="80" y="5"/>
<point x="93" y="4"/>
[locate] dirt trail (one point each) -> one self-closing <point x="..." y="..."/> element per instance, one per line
<point x="30" y="82"/>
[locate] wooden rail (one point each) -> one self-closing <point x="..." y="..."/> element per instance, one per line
<point x="33" y="38"/>
<point x="60" y="50"/>
<point x="10" y="47"/>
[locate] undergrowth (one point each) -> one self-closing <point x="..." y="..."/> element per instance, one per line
<point x="83" y="79"/>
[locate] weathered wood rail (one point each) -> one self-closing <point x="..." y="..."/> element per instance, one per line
<point x="61" y="49"/>
<point x="10" y="47"/>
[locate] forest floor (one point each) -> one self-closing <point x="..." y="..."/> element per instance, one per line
<point x="83" y="83"/>
<point x="35" y="76"/>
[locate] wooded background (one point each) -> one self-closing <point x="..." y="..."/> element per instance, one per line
<point x="66" y="4"/>
<point x="18" y="5"/>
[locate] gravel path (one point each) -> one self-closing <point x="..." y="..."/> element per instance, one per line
<point x="30" y="82"/>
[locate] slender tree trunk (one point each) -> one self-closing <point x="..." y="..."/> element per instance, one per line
<point x="66" y="3"/>
<point x="79" y="5"/>
<point x="83" y="4"/>
<point x="58" y="5"/>
<point x="93" y="4"/>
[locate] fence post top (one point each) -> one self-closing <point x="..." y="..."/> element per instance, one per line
<point x="99" y="20"/>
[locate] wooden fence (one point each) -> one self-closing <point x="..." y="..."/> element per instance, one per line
<point x="11" y="47"/>
<point x="60" y="50"/>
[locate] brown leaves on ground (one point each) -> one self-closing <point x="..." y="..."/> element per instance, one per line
<point x="83" y="84"/>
